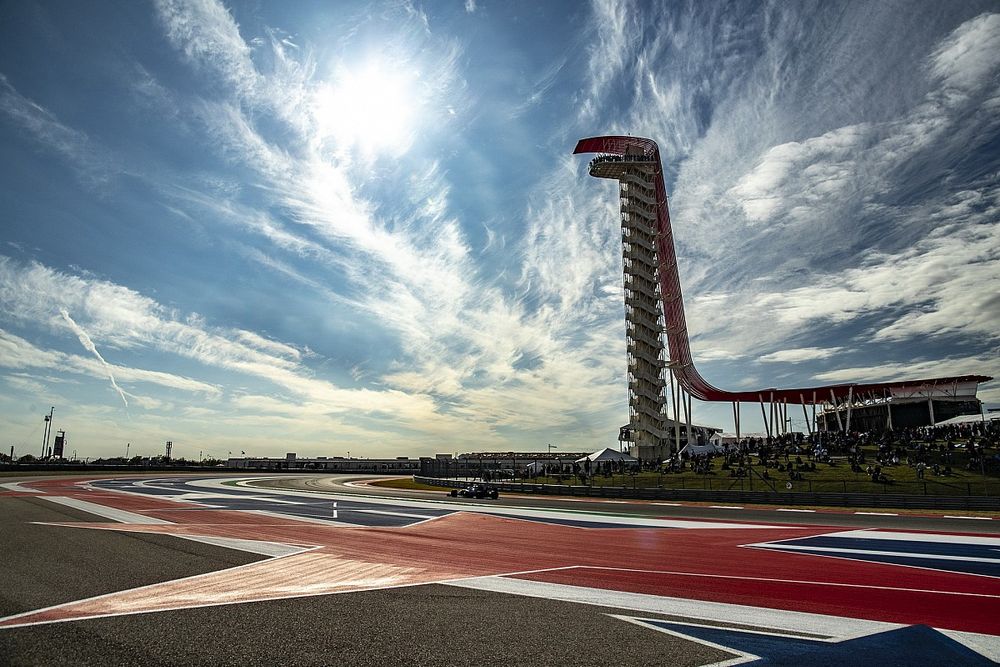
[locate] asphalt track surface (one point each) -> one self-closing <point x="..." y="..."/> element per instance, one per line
<point x="980" y="522"/>
<point x="334" y="574"/>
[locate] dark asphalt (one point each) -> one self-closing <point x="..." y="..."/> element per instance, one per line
<point x="41" y="566"/>
<point x="424" y="625"/>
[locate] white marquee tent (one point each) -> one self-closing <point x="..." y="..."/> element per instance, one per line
<point x="608" y="454"/>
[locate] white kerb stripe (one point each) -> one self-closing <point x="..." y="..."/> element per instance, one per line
<point x="121" y="516"/>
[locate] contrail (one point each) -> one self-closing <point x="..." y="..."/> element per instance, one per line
<point x="89" y="344"/>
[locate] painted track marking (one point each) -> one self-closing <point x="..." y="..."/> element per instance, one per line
<point x="505" y="544"/>
<point x="804" y="582"/>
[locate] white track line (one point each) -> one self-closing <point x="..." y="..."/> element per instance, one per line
<point x="387" y="513"/>
<point x="699" y="609"/>
<point x="16" y="487"/>
<point x="789" y="509"/>
<point x="878" y="513"/>
<point x="121" y="516"/>
<point x="973" y="518"/>
<point x="803" y="582"/>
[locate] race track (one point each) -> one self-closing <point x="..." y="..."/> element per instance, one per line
<point x="234" y="570"/>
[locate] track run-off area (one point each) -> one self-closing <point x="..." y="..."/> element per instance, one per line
<point x="318" y="570"/>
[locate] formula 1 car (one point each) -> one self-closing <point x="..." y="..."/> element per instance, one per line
<point x="479" y="491"/>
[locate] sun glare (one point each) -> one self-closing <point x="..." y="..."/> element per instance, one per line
<point x="373" y="108"/>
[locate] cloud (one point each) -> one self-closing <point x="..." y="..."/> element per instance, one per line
<point x="793" y="178"/>
<point x="34" y="295"/>
<point x="92" y="163"/>
<point x="968" y="58"/>
<point x="922" y="265"/>
<point x="209" y="38"/>
<point x="413" y="269"/>
<point x="801" y="354"/>
<point x="610" y="50"/>
<point x="21" y="354"/>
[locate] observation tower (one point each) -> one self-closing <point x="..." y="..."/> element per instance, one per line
<point x="644" y="324"/>
<point x="654" y="308"/>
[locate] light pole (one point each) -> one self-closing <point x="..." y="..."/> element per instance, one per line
<point x="48" y="427"/>
<point x="127" y="445"/>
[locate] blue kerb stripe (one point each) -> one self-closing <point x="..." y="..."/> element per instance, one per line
<point x="961" y="549"/>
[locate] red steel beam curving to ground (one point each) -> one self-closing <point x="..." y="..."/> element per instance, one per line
<point x="673" y="307"/>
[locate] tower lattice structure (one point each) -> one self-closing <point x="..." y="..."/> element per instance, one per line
<point x="644" y="324"/>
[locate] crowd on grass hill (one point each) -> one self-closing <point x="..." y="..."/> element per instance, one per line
<point x="937" y="451"/>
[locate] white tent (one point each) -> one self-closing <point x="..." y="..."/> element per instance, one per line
<point x="966" y="419"/>
<point x="711" y="448"/>
<point x="608" y="454"/>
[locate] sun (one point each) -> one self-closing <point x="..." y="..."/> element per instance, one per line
<point x="372" y="109"/>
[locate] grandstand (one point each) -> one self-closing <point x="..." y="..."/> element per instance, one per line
<point x="654" y="307"/>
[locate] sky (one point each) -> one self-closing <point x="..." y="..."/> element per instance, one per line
<point x="358" y="227"/>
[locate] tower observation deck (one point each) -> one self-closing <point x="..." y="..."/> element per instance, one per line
<point x="654" y="307"/>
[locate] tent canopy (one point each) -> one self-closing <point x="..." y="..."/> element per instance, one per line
<point x="608" y="454"/>
<point x="966" y="419"/>
<point x="710" y="448"/>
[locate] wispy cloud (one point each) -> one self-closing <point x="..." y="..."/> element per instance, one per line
<point x="801" y="354"/>
<point x="418" y="271"/>
<point x="91" y="162"/>
<point x="19" y="353"/>
<point x="967" y="59"/>
<point x="930" y="276"/>
<point x="207" y="35"/>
